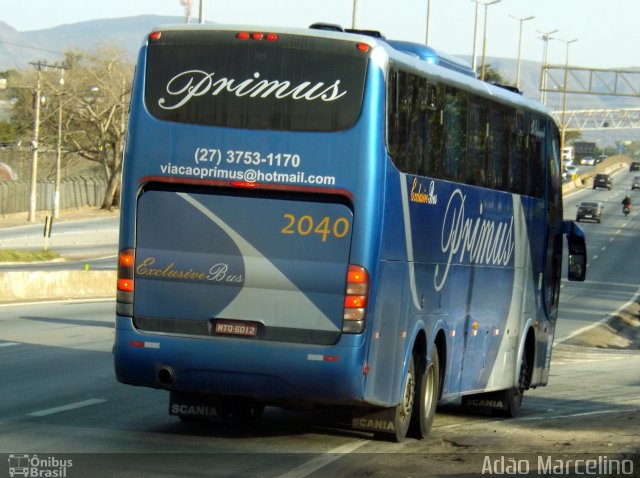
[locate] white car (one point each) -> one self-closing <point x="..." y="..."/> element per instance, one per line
<point x="588" y="161"/>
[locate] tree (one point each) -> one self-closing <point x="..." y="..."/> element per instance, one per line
<point x="94" y="98"/>
<point x="99" y="102"/>
<point x="491" y="75"/>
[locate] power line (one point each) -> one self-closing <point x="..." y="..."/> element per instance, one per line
<point x="32" y="47"/>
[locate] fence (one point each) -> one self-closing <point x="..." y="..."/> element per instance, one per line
<point x="74" y="193"/>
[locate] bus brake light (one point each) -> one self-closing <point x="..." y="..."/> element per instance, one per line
<point x="126" y="283"/>
<point x="355" y="299"/>
<point x="244" y="184"/>
<point x="270" y="37"/>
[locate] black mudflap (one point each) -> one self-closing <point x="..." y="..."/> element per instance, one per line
<point x="374" y="419"/>
<point x="190" y="405"/>
<point x="486" y="401"/>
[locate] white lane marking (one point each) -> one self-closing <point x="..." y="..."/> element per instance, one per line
<point x="546" y="417"/>
<point x="323" y="460"/>
<point x="8" y="344"/>
<point x="65" y="408"/>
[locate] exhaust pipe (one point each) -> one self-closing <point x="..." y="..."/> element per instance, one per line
<point x="166" y="376"/>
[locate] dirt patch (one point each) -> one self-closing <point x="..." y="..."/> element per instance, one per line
<point x="622" y="332"/>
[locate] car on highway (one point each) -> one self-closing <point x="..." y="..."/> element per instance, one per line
<point x="635" y="166"/>
<point x="635" y="183"/>
<point x="588" y="161"/>
<point x="589" y="210"/>
<point x="569" y="173"/>
<point x="603" y="181"/>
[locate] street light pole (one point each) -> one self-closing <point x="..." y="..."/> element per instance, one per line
<point x="521" y="20"/>
<point x="546" y="36"/>
<point x="426" y="40"/>
<point x="484" y="43"/>
<point x="564" y="92"/>
<point x="474" y="59"/>
<point x="353" y="13"/>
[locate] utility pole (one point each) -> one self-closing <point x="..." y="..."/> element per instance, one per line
<point x="56" y="192"/>
<point x="33" y="194"/>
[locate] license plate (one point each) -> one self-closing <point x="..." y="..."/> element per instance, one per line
<point x="588" y="215"/>
<point x="236" y="327"/>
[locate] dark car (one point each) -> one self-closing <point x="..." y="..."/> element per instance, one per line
<point x="602" y="181"/>
<point x="635" y="166"/>
<point x="589" y="210"/>
<point x="635" y="183"/>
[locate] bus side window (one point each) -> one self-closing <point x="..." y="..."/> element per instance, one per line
<point x="392" y="113"/>
<point x="477" y="136"/>
<point x="536" y="157"/>
<point x="517" y="158"/>
<point x="433" y="132"/>
<point x="455" y="132"/>
<point x="496" y="175"/>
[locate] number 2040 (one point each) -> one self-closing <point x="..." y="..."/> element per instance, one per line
<point x="324" y="227"/>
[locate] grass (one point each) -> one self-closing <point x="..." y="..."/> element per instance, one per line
<point x="27" y="256"/>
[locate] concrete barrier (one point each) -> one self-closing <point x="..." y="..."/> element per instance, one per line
<point x="21" y="286"/>
<point x="585" y="180"/>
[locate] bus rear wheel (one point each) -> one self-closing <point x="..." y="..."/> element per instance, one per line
<point x="512" y="397"/>
<point x="403" y="411"/>
<point x="427" y="392"/>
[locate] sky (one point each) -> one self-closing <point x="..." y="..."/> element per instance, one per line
<point x="607" y="31"/>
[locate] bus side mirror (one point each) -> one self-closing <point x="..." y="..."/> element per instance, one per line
<point x="577" y="251"/>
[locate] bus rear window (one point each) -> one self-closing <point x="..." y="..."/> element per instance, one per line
<point x="294" y="83"/>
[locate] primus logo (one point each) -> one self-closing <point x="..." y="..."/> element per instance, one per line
<point x="471" y="237"/>
<point x="194" y="83"/>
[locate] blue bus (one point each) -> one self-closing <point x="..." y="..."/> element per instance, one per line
<point x="318" y="218"/>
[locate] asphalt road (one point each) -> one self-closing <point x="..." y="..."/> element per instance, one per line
<point x="60" y="399"/>
<point x="613" y="260"/>
<point x="90" y="241"/>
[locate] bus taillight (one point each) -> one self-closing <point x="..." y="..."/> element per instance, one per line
<point x="124" y="296"/>
<point x="355" y="299"/>
<point x="270" y="37"/>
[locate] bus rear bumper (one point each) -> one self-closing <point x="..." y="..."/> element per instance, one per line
<point x="241" y="367"/>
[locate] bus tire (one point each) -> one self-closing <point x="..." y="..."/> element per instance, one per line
<point x="513" y="396"/>
<point x="403" y="411"/>
<point x="427" y="392"/>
